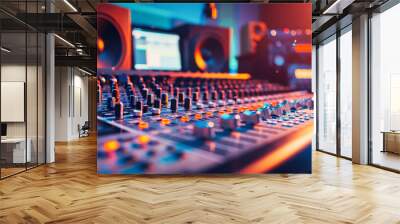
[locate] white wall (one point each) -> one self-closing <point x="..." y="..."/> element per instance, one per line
<point x="71" y="102"/>
<point x="33" y="127"/>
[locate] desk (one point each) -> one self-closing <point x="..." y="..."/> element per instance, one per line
<point x="391" y="141"/>
<point x="13" y="150"/>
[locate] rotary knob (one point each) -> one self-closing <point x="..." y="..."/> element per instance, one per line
<point x="229" y="121"/>
<point x="251" y="117"/>
<point x="265" y="111"/>
<point x="204" y="129"/>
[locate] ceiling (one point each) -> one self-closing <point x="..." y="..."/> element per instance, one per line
<point x="75" y="21"/>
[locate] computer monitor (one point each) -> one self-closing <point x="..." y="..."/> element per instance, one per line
<point x="3" y="129"/>
<point x="156" y="50"/>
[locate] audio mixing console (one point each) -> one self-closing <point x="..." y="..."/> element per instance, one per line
<point x="175" y="125"/>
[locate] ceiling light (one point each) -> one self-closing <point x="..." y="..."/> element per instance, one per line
<point x="5" y="50"/>
<point x="70" y="5"/>
<point x="337" y="7"/>
<point x="84" y="71"/>
<point x="64" y="40"/>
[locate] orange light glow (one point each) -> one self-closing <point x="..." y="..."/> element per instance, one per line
<point x="100" y="44"/>
<point x="165" y="121"/>
<point x="303" y="73"/>
<point x="214" y="11"/>
<point x="303" y="48"/>
<point x="235" y="134"/>
<point x="198" y="58"/>
<point x="111" y="146"/>
<point x="209" y="114"/>
<point x="184" y="118"/>
<point x="143" y="125"/>
<point x="198" y="116"/>
<point x="220" y="113"/>
<point x="143" y="139"/>
<point x="282" y="153"/>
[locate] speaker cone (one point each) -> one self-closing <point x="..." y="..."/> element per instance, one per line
<point x="109" y="44"/>
<point x="209" y="55"/>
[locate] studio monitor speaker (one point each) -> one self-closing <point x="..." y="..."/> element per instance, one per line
<point x="114" y="37"/>
<point x="251" y="35"/>
<point x="204" y="48"/>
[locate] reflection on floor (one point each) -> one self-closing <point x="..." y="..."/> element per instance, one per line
<point x="70" y="191"/>
<point x="387" y="159"/>
<point x="11" y="169"/>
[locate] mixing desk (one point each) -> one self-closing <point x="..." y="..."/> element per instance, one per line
<point x="159" y="124"/>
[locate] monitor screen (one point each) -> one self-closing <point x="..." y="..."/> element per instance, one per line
<point x="156" y="50"/>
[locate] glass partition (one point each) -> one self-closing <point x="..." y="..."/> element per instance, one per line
<point x="14" y="145"/>
<point x="385" y="89"/>
<point x="22" y="92"/>
<point x="346" y="93"/>
<point x="327" y="96"/>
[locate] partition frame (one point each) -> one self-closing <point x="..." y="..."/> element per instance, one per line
<point x="44" y="93"/>
<point x="337" y="34"/>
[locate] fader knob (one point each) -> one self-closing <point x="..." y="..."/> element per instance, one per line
<point x="158" y="92"/>
<point x="164" y="99"/>
<point x="157" y="104"/>
<point x="205" y="96"/>
<point x="176" y="92"/>
<point x="145" y="91"/>
<point x="204" y="129"/>
<point x="150" y="99"/>
<point x="174" y="105"/>
<point x="139" y="105"/>
<point x="195" y="96"/>
<point x="266" y="111"/>
<point x="214" y="95"/>
<point x="187" y="104"/>
<point x="132" y="100"/>
<point x="229" y="121"/>
<point x="251" y="117"/>
<point x="180" y="97"/>
<point x="188" y="91"/>
<point x="119" y="111"/>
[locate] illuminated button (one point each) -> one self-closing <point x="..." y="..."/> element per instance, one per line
<point x="143" y="139"/>
<point x="143" y="125"/>
<point x="251" y="117"/>
<point x="111" y="146"/>
<point x="229" y="121"/>
<point x="165" y="121"/>
<point x="209" y="114"/>
<point x="204" y="129"/>
<point x="198" y="116"/>
<point x="221" y="112"/>
<point x="184" y="119"/>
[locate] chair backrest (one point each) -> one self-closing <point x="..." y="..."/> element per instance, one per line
<point x="86" y="125"/>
